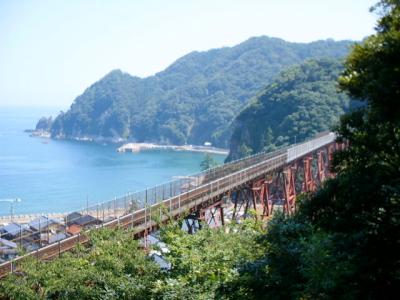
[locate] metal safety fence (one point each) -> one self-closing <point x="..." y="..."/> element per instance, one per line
<point x="136" y="208"/>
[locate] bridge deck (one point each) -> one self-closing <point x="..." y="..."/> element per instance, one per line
<point x="170" y="200"/>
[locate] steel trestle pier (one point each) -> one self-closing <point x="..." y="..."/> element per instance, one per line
<point x="262" y="182"/>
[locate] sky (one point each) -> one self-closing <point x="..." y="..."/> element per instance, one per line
<point x="51" y="51"/>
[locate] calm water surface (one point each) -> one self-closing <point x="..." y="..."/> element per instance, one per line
<point x="57" y="176"/>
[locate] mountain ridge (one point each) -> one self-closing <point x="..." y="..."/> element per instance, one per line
<point x="302" y="101"/>
<point x="192" y="101"/>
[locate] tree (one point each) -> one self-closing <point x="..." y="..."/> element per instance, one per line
<point x="112" y="267"/>
<point x="361" y="206"/>
<point x="300" y="102"/>
<point x="298" y="263"/>
<point x="44" y="123"/>
<point x="204" y="261"/>
<point x="192" y="101"/>
<point x="267" y="140"/>
<point x="245" y="150"/>
<point x="208" y="162"/>
<point x="343" y="242"/>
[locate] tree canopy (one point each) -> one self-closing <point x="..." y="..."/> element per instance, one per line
<point x="208" y="162"/>
<point x="361" y="206"/>
<point x="300" y="102"/>
<point x="114" y="266"/>
<point x="193" y="101"/>
<point x="343" y="242"/>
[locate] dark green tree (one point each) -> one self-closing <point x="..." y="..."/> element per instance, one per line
<point x="344" y="241"/>
<point x="361" y="206"/>
<point x="208" y="162"/>
<point x="268" y="140"/>
<point x="192" y="101"/>
<point x="113" y="266"/>
<point x="245" y="150"/>
<point x="300" y="102"/>
<point x="44" y="123"/>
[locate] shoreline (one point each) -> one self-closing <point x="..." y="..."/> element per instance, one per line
<point x="131" y="146"/>
<point x="137" y="147"/>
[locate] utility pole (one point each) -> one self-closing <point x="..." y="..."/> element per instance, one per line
<point x="11" y="201"/>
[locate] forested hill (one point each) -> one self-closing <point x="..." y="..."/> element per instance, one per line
<point x="301" y="102"/>
<point x="193" y="101"/>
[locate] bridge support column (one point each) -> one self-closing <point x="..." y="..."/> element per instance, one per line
<point x="267" y="203"/>
<point x="213" y="215"/>
<point x="308" y="184"/>
<point x="258" y="189"/>
<point x="192" y="222"/>
<point x="321" y="173"/>
<point x="210" y="214"/>
<point x="331" y="150"/>
<point x="289" y="190"/>
<point x="243" y="199"/>
<point x="236" y="197"/>
<point x="341" y="146"/>
<point x="261" y="196"/>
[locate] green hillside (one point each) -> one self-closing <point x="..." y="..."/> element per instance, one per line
<point x="301" y="102"/>
<point x="193" y="101"/>
<point x="341" y="242"/>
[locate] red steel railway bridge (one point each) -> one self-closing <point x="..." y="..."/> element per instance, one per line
<point x="264" y="182"/>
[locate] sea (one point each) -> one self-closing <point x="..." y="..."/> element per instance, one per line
<point x="52" y="176"/>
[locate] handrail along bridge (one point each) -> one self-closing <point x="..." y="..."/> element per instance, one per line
<point x="261" y="182"/>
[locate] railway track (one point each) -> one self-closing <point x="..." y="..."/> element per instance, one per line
<point x="212" y="186"/>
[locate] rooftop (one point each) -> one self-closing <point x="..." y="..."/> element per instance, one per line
<point x="9" y="244"/>
<point x="74" y="229"/>
<point x="42" y="223"/>
<point x="11" y="228"/>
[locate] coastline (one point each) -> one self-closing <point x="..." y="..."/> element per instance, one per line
<point x="132" y="147"/>
<point x="137" y="147"/>
<point x="38" y="133"/>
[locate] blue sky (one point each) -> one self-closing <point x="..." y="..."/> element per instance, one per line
<point x="50" y="51"/>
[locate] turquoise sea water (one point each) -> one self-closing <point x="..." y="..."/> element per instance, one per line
<point x="58" y="176"/>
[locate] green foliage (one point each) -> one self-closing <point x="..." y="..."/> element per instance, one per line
<point x="343" y="242"/>
<point x="208" y="259"/>
<point x="44" y="123"/>
<point x="299" y="262"/>
<point x="362" y="204"/>
<point x="208" y="162"/>
<point x="301" y="102"/>
<point x="193" y="101"/>
<point x="113" y="267"/>
<point x="245" y="150"/>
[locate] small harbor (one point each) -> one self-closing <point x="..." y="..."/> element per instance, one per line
<point x="138" y="147"/>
